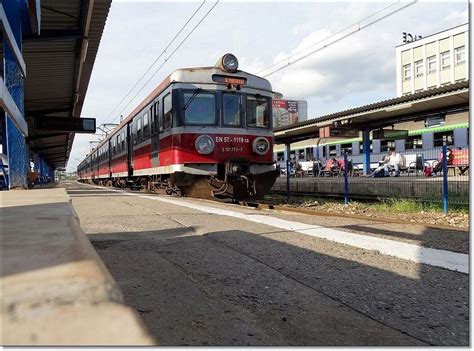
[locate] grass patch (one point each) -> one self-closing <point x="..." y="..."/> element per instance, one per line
<point x="383" y="206"/>
<point x="411" y="206"/>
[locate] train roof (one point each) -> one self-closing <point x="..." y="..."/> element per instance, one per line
<point x="196" y="75"/>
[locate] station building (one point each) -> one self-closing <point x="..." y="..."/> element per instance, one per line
<point x="433" y="61"/>
<point x="427" y="113"/>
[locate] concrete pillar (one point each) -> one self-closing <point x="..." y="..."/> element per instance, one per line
<point x="366" y="144"/>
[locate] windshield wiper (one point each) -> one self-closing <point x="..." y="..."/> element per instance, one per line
<point x="192" y="98"/>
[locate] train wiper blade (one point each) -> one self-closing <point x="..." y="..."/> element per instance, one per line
<point x="198" y="90"/>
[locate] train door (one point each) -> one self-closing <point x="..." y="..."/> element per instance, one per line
<point x="130" y="135"/>
<point x="109" y="156"/>
<point x="155" y="134"/>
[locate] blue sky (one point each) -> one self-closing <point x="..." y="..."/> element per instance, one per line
<point x="356" y="71"/>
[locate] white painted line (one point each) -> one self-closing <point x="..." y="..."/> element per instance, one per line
<point x="434" y="257"/>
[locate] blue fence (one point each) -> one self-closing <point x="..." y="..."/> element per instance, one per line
<point x="439" y="175"/>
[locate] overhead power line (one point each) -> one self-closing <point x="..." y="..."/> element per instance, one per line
<point x="156" y="60"/>
<point x="328" y="37"/>
<point x="337" y="40"/>
<point x="172" y="53"/>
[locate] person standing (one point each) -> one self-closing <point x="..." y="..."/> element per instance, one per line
<point x="395" y="161"/>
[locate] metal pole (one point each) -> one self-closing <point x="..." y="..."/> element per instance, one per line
<point x="346" y="183"/>
<point x="366" y="148"/>
<point x="445" y="179"/>
<point x="287" y="160"/>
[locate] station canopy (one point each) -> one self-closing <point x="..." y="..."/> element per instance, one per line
<point x="59" y="64"/>
<point x="381" y="114"/>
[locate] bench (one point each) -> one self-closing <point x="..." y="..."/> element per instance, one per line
<point x="460" y="161"/>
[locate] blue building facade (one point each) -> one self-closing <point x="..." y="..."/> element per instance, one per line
<point x="19" y="18"/>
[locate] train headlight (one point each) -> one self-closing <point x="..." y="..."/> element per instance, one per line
<point x="204" y="144"/>
<point x="230" y="63"/>
<point x="261" y="145"/>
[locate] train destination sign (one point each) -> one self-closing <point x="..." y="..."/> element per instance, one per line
<point x="66" y="124"/>
<point x="229" y="80"/>
<point x="390" y="134"/>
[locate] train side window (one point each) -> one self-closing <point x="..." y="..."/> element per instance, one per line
<point x="122" y="140"/>
<point x="332" y="151"/>
<point x="152" y="119"/>
<point x="139" y="129"/>
<point x="414" y="142"/>
<point x="116" y="143"/>
<point x="167" y="112"/>
<point x="159" y="117"/>
<point x="146" y="127"/>
<point x="309" y="154"/>
<point x="386" y="145"/>
<point x="444" y="137"/>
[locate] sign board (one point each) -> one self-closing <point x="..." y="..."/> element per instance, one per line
<point x="229" y="80"/>
<point x="391" y="134"/>
<point x="333" y="132"/>
<point x="66" y="124"/>
<point x="408" y="37"/>
<point x="285" y="112"/>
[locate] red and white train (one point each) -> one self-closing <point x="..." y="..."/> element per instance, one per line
<point x="203" y="131"/>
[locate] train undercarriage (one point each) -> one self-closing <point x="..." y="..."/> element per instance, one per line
<point x="233" y="180"/>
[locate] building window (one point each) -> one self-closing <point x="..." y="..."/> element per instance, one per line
<point x="419" y="68"/>
<point x="459" y="56"/>
<point x="407" y="72"/>
<point x="431" y="63"/>
<point x="445" y="60"/>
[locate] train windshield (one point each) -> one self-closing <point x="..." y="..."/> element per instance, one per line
<point x="231" y="107"/>
<point x="199" y="108"/>
<point x="258" y="111"/>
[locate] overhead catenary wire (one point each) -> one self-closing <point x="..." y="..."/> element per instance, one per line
<point x="339" y="39"/>
<point x="156" y="60"/>
<point x="167" y="58"/>
<point x="329" y="37"/>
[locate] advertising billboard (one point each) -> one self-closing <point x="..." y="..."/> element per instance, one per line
<point x="285" y="112"/>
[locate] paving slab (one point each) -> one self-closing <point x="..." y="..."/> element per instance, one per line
<point x="49" y="267"/>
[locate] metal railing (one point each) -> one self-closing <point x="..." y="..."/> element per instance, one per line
<point x="439" y="175"/>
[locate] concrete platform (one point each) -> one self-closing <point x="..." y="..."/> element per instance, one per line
<point x="55" y="288"/>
